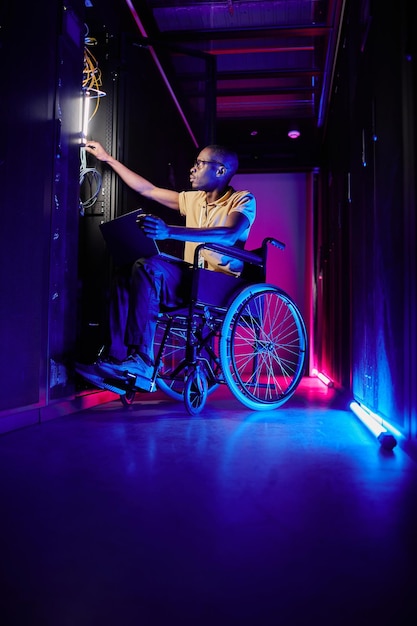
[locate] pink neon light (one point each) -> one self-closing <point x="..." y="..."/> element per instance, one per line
<point x="324" y="379"/>
<point x="221" y="51"/>
<point x="294" y="134"/>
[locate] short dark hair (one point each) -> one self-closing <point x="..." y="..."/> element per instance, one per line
<point x="225" y="155"/>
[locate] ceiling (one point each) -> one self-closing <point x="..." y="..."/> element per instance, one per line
<point x="249" y="69"/>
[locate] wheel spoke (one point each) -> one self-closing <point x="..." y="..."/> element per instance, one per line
<point x="263" y="347"/>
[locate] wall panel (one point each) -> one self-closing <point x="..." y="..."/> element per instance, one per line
<point x="34" y="137"/>
<point x="374" y="93"/>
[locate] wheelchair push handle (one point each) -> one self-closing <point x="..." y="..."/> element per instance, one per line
<point x="274" y="242"/>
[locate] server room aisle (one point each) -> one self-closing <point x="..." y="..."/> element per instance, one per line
<point x="147" y="516"/>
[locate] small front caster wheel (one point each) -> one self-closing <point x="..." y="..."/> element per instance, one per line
<point x="128" y="398"/>
<point x="195" y="391"/>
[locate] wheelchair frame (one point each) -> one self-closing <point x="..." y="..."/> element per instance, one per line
<point x="238" y="331"/>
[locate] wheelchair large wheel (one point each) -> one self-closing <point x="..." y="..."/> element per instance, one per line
<point x="263" y="347"/>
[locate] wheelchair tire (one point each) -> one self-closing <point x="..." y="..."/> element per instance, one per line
<point x="195" y="391"/>
<point x="128" y="398"/>
<point x="263" y="347"/>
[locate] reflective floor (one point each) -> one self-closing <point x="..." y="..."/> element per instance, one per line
<point x="147" y="516"/>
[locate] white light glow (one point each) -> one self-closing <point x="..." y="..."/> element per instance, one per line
<point x="366" y="418"/>
<point x="374" y="422"/>
<point x="86" y="116"/>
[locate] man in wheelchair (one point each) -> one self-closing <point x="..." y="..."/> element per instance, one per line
<point x="214" y="213"/>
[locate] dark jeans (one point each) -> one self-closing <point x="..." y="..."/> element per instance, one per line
<point x="137" y="299"/>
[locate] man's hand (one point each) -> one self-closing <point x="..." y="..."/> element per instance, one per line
<point x="153" y="227"/>
<point x="94" y="147"/>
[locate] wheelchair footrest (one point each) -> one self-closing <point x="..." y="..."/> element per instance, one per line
<point x="132" y="383"/>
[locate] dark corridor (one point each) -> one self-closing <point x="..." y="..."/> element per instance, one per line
<point x="144" y="515"/>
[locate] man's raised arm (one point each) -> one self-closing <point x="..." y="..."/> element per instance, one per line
<point x="136" y="182"/>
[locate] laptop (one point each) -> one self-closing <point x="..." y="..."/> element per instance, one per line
<point x="127" y="242"/>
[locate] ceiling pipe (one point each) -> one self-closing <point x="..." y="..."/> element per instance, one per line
<point x="336" y="11"/>
<point x="161" y="71"/>
<point x="210" y="80"/>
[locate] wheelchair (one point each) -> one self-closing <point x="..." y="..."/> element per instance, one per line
<point x="236" y="331"/>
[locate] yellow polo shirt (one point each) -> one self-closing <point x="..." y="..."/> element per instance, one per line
<point x="200" y="214"/>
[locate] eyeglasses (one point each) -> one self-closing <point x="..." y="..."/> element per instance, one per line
<point x="199" y="163"/>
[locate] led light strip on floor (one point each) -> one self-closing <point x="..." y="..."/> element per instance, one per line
<point x="324" y="379"/>
<point x="383" y="431"/>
